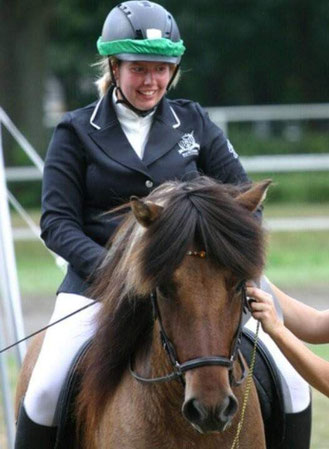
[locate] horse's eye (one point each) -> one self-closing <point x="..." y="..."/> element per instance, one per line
<point x="234" y="285"/>
<point x="239" y="286"/>
<point x="167" y="290"/>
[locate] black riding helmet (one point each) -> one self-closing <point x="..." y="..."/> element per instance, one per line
<point x="141" y="31"/>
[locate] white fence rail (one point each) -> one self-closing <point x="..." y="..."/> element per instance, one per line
<point x="221" y="116"/>
<point x="286" y="163"/>
<point x="252" y="164"/>
<point x="295" y="112"/>
<point x="23" y="174"/>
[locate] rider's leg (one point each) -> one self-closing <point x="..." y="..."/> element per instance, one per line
<point x="298" y="430"/>
<point x="61" y="344"/>
<point x="30" y="435"/>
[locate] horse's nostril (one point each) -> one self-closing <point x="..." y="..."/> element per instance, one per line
<point x="228" y="408"/>
<point x="210" y="419"/>
<point x="194" y="411"/>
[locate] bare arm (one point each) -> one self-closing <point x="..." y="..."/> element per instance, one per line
<point x="314" y="369"/>
<point x="305" y="322"/>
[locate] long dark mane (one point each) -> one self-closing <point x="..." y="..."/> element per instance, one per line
<point x="199" y="214"/>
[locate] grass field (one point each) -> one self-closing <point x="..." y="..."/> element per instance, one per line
<point x="298" y="258"/>
<point x="320" y="430"/>
<point x="294" y="260"/>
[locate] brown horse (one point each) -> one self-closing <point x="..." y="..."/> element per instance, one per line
<point x="164" y="367"/>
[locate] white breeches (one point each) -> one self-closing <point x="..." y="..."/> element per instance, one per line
<point x="61" y="344"/>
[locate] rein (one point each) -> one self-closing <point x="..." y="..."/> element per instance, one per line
<point x="236" y="441"/>
<point x="46" y="327"/>
<point x="180" y="368"/>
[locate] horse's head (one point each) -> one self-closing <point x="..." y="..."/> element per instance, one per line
<point x="198" y="243"/>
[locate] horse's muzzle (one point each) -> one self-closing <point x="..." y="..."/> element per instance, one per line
<point x="210" y="419"/>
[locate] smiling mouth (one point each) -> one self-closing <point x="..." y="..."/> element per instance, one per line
<point x="147" y="93"/>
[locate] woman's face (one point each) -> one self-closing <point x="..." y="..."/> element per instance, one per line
<point x="143" y="83"/>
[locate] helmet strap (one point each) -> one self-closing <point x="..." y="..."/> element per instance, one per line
<point x="126" y="102"/>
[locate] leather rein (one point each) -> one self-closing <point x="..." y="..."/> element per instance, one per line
<point x="180" y="368"/>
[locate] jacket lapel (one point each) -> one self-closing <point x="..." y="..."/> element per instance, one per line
<point x="164" y="134"/>
<point x="111" y="139"/>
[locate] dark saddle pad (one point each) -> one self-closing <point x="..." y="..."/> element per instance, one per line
<point x="269" y="388"/>
<point x="66" y="433"/>
<point x="266" y="378"/>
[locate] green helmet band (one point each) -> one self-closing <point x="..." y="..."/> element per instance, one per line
<point x="161" y="47"/>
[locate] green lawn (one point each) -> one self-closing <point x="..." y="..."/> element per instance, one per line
<point x="298" y="258"/>
<point x="37" y="271"/>
<point x="321" y="350"/>
<point x="320" y="431"/>
<point x="297" y="210"/>
<point x="293" y="259"/>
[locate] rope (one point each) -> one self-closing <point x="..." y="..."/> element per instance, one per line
<point x="236" y="441"/>
<point x="46" y="327"/>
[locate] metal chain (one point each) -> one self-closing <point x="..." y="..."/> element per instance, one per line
<point x="236" y="441"/>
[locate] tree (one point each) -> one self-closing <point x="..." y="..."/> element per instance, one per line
<point x="23" y="49"/>
<point x="238" y="52"/>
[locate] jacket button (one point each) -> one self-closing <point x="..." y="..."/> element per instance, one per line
<point x="149" y="184"/>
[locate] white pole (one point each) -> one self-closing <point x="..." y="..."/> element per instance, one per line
<point x="8" y="409"/>
<point x="8" y="271"/>
<point x="21" y="140"/>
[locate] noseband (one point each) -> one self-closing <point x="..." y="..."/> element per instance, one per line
<point x="180" y="368"/>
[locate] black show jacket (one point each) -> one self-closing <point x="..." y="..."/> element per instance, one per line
<point x="91" y="167"/>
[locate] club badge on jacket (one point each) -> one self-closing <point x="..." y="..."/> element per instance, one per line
<point x="188" y="146"/>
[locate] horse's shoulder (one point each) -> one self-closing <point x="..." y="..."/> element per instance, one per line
<point x="29" y="362"/>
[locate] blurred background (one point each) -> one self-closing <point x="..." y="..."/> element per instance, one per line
<point x="239" y="52"/>
<point x="261" y="67"/>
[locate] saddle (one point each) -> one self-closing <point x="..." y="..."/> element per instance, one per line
<point x="65" y="412"/>
<point x="269" y="388"/>
<point x="266" y="378"/>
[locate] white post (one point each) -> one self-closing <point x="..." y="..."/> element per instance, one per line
<point x="21" y="140"/>
<point x="11" y="324"/>
<point x="7" y="400"/>
<point x="8" y="271"/>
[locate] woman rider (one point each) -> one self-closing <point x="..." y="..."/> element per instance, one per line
<point x="127" y="143"/>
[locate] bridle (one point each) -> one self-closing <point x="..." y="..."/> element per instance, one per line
<point x="180" y="368"/>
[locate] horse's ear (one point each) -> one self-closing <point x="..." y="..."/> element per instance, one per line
<point x="145" y="212"/>
<point x="254" y="196"/>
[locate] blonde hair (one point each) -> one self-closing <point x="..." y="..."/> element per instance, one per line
<point x="104" y="80"/>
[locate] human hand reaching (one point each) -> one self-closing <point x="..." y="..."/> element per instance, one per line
<point x="263" y="309"/>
